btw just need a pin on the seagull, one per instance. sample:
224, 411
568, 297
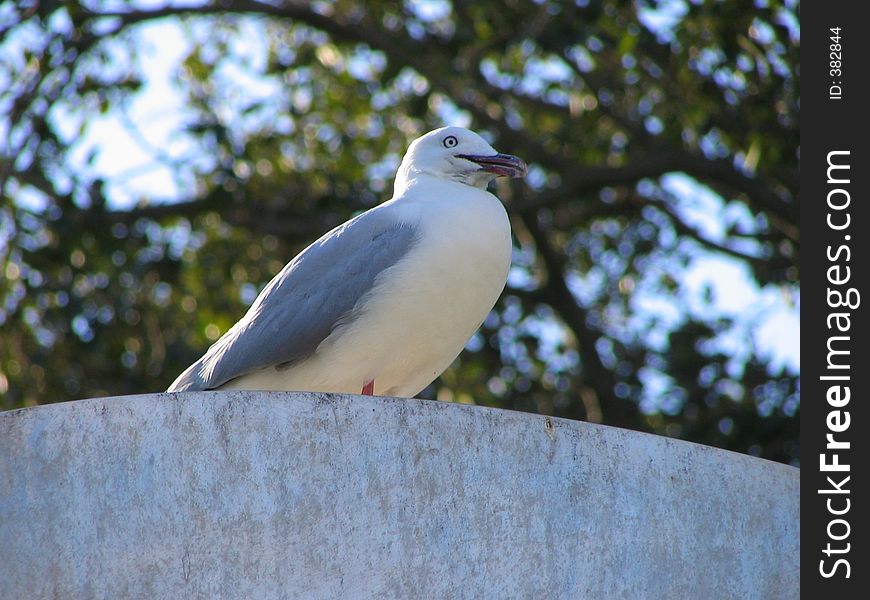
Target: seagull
382, 304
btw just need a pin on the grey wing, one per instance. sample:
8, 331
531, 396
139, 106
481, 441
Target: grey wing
299, 308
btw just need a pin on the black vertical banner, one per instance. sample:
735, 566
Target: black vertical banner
835, 357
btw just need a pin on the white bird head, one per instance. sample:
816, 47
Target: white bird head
455, 153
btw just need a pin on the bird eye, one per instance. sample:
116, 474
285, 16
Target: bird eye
450, 141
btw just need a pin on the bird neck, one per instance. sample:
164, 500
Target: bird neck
404, 176
409, 177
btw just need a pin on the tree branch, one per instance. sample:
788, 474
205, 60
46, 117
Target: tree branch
577, 179
598, 382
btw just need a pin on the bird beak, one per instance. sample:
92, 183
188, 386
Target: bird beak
503, 165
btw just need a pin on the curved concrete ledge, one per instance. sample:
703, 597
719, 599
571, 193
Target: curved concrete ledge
276, 495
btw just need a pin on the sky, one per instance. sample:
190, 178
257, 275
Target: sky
130, 141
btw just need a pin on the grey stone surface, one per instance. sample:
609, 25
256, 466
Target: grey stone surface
278, 495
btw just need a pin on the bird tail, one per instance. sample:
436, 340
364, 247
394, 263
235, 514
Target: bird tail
190, 380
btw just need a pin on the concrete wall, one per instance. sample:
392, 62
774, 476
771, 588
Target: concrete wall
274, 495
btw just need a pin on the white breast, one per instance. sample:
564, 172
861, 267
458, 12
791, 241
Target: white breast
423, 310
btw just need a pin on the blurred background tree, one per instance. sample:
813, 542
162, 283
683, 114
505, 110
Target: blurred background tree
160, 162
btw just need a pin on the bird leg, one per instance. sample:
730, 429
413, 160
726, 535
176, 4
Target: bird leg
369, 388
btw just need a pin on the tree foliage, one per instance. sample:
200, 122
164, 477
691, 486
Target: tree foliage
640, 120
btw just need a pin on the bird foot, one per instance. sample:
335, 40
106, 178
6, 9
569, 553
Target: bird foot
369, 388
